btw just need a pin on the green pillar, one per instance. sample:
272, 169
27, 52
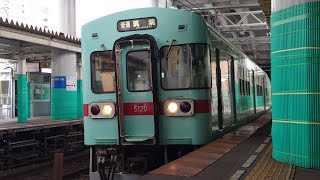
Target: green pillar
63, 102
22, 98
28, 100
64, 88
295, 50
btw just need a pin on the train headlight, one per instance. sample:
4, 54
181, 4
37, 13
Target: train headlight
107, 110
179, 107
102, 110
172, 107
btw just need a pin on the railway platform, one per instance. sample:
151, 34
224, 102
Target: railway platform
24, 144
41, 122
242, 154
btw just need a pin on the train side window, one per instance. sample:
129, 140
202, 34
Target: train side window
244, 82
266, 93
139, 71
248, 88
102, 72
240, 86
185, 67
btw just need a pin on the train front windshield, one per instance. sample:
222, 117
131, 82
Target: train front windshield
185, 67
102, 72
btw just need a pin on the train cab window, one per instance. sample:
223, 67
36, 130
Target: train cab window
102, 72
139, 71
185, 67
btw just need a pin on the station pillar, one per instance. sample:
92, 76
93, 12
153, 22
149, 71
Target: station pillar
161, 3
64, 85
22, 91
295, 63
28, 98
79, 91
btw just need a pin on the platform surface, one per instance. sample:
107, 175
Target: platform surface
247, 160
35, 123
198, 160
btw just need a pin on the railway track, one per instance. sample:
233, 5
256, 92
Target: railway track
73, 166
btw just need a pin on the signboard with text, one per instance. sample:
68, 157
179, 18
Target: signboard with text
137, 24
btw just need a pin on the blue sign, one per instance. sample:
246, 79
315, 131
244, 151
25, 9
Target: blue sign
58, 82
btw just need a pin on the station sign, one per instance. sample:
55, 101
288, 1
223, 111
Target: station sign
137, 24
41, 92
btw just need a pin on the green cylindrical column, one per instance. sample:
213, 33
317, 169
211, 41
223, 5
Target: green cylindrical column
28, 100
63, 104
64, 86
295, 54
22, 98
79, 99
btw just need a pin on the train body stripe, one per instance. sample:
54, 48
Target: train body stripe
138, 108
147, 108
85, 110
202, 106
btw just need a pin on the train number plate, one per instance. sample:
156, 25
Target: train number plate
144, 108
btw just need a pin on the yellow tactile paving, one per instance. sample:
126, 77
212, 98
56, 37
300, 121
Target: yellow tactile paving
270, 169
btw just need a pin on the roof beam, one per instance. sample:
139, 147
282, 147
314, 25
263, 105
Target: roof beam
236, 6
243, 25
34, 57
257, 28
241, 13
185, 2
243, 22
249, 40
23, 36
35, 49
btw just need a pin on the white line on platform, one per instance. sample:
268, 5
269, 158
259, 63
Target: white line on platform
267, 140
249, 161
260, 148
237, 174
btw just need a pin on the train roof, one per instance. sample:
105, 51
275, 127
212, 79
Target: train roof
153, 11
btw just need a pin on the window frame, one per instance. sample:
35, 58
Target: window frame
160, 57
151, 82
91, 74
244, 80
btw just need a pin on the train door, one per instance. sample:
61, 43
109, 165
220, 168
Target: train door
226, 89
135, 93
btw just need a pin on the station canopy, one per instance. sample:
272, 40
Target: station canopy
245, 23
33, 43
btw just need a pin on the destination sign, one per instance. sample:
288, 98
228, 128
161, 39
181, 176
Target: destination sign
137, 24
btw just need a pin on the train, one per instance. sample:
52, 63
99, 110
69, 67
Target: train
162, 77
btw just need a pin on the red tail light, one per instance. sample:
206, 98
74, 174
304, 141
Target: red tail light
95, 109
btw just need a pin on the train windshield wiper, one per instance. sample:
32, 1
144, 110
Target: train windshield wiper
173, 40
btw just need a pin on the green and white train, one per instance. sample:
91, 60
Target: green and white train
157, 77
